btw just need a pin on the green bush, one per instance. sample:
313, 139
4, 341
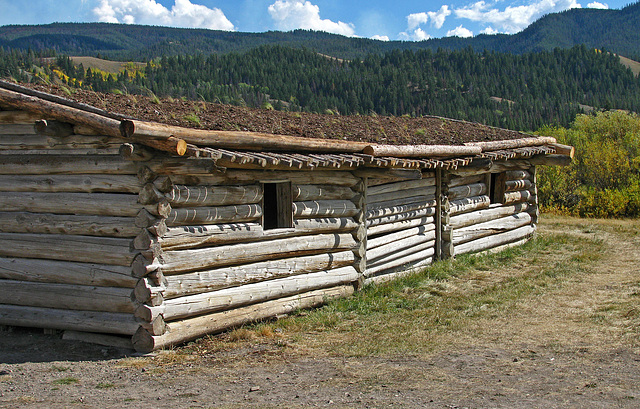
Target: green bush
604, 178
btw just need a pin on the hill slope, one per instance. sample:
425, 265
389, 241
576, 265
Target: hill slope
614, 30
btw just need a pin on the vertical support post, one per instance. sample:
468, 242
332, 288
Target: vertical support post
360, 233
535, 208
446, 244
438, 220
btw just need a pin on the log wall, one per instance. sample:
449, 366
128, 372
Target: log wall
68, 209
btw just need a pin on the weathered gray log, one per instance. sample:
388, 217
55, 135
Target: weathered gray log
24, 222
374, 199
517, 175
59, 145
66, 164
508, 165
495, 240
148, 292
393, 173
551, 160
476, 189
240, 177
64, 272
101, 204
91, 321
426, 181
197, 196
513, 143
136, 152
53, 128
225, 299
85, 249
522, 184
402, 225
214, 215
393, 274
392, 249
189, 329
149, 194
427, 201
49, 152
114, 341
18, 117
428, 211
324, 208
373, 213
517, 197
469, 204
210, 280
71, 183
391, 237
496, 211
422, 151
402, 262
390, 258
66, 296
182, 166
185, 237
302, 193
465, 180
477, 231
16, 129
237, 139
175, 262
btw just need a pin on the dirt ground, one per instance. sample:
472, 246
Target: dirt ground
574, 344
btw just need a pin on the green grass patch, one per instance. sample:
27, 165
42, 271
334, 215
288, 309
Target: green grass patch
69, 380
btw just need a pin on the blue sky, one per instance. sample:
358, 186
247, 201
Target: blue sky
380, 19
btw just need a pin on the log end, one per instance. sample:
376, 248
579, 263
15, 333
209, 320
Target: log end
127, 128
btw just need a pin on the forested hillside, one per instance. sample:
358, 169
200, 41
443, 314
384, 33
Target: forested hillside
520, 92
614, 30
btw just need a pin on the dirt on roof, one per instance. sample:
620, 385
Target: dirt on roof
363, 128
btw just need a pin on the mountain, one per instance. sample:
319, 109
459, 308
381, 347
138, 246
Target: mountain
613, 30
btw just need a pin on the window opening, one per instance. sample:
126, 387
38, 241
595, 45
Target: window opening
497, 187
277, 206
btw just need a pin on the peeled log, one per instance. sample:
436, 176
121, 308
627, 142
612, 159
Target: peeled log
71, 183
374, 213
551, 160
374, 199
512, 143
192, 328
66, 296
389, 238
197, 196
421, 151
404, 185
476, 189
324, 208
198, 259
429, 211
495, 212
394, 247
210, 280
469, 204
496, 240
402, 225
229, 298
249, 177
517, 197
302, 193
66, 164
402, 262
90, 321
24, 222
513, 185
489, 228
214, 215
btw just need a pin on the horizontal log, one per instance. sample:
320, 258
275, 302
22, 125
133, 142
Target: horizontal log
426, 181
393, 173
551, 160
401, 225
234, 297
428, 200
476, 167
508, 165
64, 272
324, 208
18, 117
373, 199
113, 341
513, 143
496, 211
100, 204
496, 240
402, 262
210, 280
186, 216
90, 321
66, 164
59, 145
477, 231
184, 237
393, 248
402, 252
175, 262
476, 189
16, 129
517, 175
377, 212
66, 296
24, 222
389, 275
48, 152
517, 197
197, 196
136, 152
240, 177
422, 151
513, 185
302, 193
468, 204
564, 150
192, 328
399, 235
84, 249
71, 183
415, 214
466, 180
53, 128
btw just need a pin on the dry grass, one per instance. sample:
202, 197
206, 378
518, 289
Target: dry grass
633, 65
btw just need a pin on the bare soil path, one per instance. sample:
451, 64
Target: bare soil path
570, 338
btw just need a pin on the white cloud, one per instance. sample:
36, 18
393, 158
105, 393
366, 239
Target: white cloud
380, 38
460, 32
182, 14
415, 19
438, 17
513, 18
489, 30
292, 14
416, 35
597, 5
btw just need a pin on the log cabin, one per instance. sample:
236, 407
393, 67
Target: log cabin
146, 235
